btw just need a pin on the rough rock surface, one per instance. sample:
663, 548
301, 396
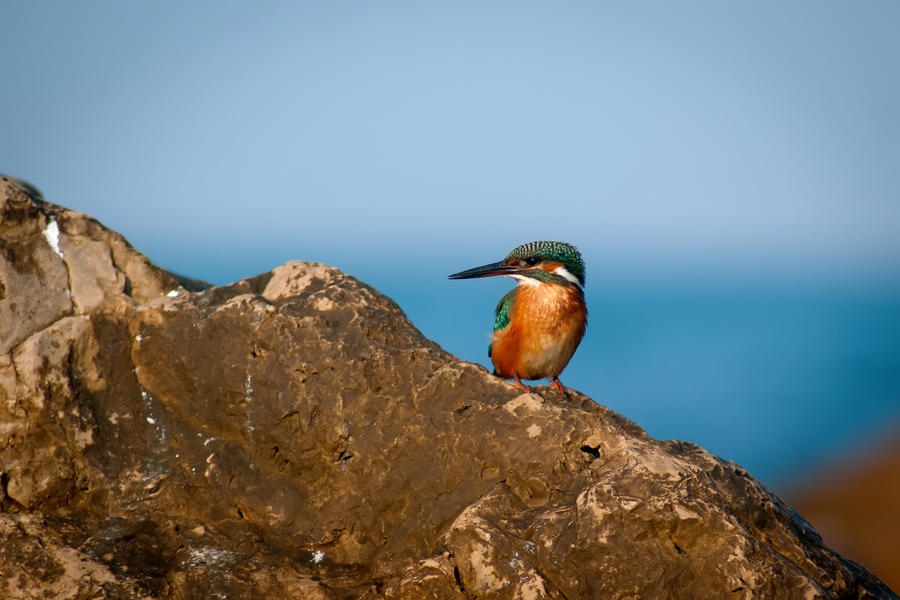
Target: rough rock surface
293, 435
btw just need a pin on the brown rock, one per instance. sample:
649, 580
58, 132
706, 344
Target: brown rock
293, 435
34, 565
33, 278
854, 501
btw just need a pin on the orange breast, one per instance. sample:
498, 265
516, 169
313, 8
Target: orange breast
546, 325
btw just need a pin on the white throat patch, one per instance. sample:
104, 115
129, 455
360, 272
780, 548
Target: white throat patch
525, 280
564, 273
561, 271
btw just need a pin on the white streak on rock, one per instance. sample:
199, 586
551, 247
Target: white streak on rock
51, 233
248, 388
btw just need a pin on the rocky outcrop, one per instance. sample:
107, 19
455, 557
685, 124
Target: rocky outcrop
294, 435
854, 502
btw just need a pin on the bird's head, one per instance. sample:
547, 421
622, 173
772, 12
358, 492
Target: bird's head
536, 263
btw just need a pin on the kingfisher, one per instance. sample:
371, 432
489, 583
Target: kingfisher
539, 323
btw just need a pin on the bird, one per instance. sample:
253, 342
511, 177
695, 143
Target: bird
539, 323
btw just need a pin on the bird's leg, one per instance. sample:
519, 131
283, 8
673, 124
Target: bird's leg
558, 385
518, 383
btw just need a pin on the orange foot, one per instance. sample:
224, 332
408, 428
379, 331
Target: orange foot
525, 388
558, 385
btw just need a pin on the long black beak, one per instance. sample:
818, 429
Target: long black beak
497, 268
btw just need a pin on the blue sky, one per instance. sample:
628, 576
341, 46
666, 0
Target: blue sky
755, 136
745, 143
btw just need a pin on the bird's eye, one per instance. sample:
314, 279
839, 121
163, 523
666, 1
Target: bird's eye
532, 260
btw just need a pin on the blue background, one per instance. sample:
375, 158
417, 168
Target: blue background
730, 171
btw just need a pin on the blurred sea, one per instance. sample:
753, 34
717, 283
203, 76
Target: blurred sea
778, 378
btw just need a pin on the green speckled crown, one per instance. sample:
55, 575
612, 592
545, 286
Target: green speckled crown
565, 253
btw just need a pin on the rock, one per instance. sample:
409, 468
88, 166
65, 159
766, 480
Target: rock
294, 435
854, 502
56, 262
34, 565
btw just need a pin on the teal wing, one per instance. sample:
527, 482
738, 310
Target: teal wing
501, 320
